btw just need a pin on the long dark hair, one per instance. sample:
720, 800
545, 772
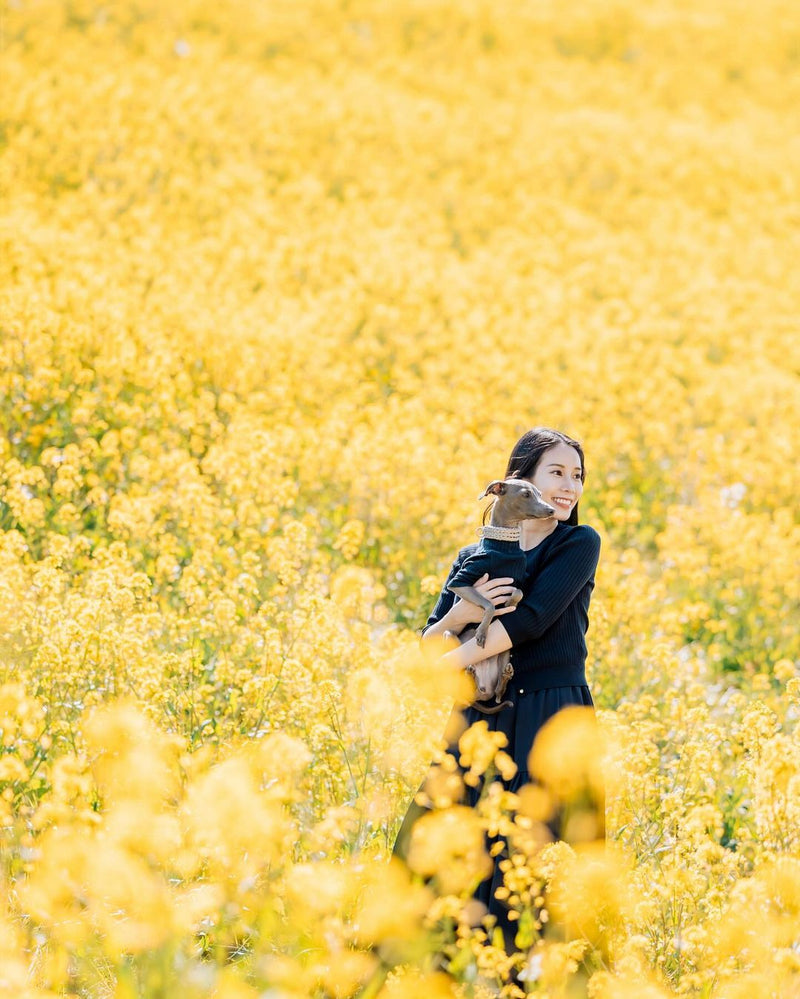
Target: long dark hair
527, 453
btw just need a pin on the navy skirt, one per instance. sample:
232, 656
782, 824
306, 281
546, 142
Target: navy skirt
520, 722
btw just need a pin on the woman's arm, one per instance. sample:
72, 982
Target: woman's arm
462, 613
452, 614
560, 581
470, 652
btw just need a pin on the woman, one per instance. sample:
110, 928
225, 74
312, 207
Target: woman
546, 630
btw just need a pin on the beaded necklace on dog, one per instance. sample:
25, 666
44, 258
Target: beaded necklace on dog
500, 533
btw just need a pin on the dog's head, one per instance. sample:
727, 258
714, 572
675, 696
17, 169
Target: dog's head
521, 500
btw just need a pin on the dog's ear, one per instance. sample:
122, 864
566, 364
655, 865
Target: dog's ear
496, 488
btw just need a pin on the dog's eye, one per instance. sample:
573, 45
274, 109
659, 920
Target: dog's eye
526, 492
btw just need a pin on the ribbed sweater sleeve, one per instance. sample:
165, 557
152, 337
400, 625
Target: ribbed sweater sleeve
446, 597
560, 580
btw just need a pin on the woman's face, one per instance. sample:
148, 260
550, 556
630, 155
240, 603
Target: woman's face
558, 478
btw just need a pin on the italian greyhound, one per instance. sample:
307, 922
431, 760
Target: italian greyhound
498, 554
515, 500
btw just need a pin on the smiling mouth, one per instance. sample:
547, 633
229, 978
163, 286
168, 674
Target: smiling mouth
562, 503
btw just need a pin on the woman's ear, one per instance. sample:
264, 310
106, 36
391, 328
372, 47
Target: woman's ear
497, 488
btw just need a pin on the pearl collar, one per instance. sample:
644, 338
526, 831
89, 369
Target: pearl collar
501, 533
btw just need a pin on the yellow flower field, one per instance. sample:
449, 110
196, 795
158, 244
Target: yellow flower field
282, 282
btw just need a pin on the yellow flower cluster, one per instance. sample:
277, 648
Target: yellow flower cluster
280, 285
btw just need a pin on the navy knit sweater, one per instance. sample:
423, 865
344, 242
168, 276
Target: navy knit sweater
548, 628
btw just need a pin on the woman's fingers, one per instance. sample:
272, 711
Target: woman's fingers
485, 583
497, 590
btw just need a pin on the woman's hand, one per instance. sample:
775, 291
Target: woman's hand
497, 590
464, 613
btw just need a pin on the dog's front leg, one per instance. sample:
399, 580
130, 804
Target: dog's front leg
470, 594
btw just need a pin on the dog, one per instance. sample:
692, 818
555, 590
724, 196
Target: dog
498, 554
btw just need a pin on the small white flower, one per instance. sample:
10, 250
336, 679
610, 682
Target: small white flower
731, 496
532, 970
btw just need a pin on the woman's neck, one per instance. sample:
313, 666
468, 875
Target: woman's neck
534, 531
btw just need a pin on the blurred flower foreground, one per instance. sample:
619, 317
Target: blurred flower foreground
281, 284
